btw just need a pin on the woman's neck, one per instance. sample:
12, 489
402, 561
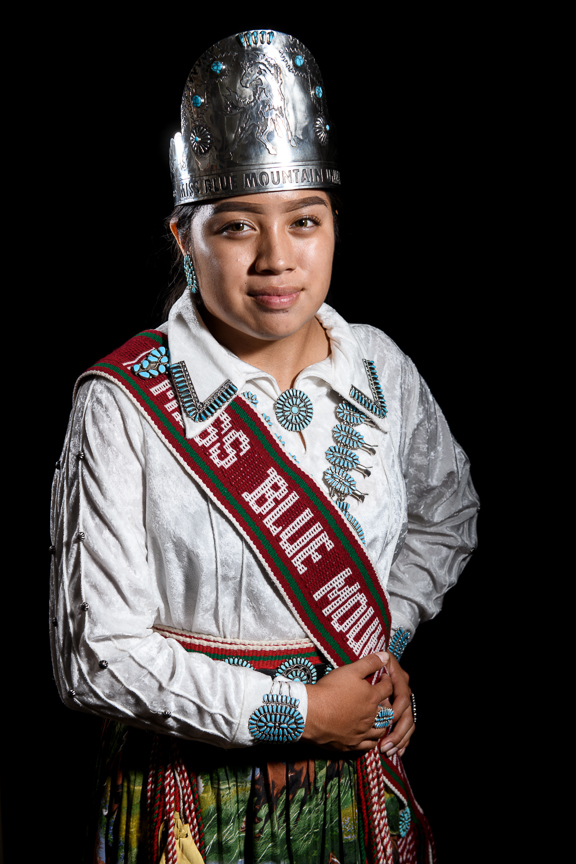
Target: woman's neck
284, 358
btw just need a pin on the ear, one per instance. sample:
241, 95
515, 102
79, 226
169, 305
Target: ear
174, 229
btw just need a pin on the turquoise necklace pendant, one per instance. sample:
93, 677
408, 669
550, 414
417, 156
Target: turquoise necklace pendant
351, 416
342, 484
351, 439
347, 459
342, 457
293, 410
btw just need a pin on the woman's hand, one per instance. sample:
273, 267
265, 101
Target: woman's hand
342, 706
403, 728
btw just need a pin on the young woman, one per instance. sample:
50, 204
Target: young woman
256, 505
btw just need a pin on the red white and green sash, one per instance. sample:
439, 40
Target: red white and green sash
303, 541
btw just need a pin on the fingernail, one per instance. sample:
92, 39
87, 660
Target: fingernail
392, 752
402, 751
387, 746
384, 656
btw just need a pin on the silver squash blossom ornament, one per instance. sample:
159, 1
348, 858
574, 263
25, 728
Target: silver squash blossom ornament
254, 119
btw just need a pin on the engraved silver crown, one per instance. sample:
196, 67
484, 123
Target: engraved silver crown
254, 119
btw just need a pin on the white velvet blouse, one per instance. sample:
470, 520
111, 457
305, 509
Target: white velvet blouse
157, 551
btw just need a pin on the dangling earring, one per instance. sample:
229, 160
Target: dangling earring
191, 279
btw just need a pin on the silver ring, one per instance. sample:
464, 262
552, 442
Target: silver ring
413, 703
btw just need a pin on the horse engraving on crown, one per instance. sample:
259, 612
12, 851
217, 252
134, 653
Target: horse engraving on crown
265, 111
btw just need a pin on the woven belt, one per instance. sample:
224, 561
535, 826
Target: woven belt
265, 657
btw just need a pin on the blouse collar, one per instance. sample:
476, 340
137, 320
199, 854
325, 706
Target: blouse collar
210, 364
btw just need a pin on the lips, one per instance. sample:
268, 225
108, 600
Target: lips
272, 297
274, 291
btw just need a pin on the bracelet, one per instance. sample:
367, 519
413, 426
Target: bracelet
278, 719
413, 705
399, 642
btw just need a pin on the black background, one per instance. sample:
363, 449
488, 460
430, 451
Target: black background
427, 153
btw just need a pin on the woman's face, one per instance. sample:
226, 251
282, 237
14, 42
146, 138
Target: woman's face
263, 261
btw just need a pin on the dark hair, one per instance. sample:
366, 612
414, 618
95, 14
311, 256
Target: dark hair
183, 215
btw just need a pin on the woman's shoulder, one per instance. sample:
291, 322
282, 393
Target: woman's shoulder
101, 406
141, 356
399, 377
380, 348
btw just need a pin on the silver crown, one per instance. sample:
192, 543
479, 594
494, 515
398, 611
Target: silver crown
254, 119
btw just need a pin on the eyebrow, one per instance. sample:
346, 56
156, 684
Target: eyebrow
245, 206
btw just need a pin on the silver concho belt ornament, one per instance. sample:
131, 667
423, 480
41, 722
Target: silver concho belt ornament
254, 119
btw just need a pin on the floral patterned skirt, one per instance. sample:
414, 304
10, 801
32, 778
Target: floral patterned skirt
277, 804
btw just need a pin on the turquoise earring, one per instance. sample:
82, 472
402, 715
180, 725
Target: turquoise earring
191, 279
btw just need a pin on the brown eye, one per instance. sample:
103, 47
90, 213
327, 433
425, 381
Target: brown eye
304, 222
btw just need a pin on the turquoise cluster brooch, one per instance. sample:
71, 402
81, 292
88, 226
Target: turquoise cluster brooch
156, 363
278, 719
293, 410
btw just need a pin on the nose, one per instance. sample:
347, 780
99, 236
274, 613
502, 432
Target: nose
275, 251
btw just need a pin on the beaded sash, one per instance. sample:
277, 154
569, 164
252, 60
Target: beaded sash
301, 538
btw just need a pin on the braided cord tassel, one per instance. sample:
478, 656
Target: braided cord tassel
186, 803
407, 848
161, 793
408, 845
170, 807
192, 803
366, 834
155, 799
171, 789
373, 804
384, 826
